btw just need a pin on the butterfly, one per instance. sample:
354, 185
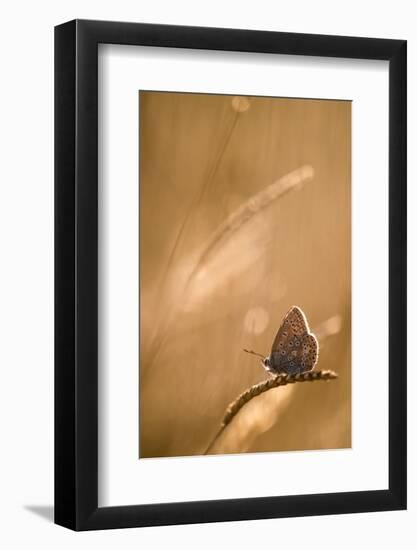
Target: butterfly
295, 350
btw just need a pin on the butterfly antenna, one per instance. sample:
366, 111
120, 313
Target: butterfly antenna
254, 353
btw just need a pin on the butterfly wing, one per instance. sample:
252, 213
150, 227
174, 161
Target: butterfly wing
310, 352
294, 325
294, 349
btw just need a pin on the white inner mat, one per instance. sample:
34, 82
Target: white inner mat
123, 478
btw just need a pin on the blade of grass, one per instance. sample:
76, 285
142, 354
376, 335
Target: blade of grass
260, 389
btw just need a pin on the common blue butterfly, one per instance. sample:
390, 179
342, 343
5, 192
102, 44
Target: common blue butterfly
295, 350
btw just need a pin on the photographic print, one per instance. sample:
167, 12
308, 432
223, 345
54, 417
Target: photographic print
245, 274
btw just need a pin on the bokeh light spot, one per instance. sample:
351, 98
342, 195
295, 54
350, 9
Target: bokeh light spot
256, 320
240, 104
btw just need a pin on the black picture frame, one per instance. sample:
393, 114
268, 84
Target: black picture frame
76, 274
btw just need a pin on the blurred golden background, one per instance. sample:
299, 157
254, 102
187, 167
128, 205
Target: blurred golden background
245, 210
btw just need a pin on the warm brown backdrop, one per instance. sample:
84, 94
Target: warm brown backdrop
201, 158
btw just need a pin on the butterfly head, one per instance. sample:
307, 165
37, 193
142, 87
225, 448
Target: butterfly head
267, 365
266, 362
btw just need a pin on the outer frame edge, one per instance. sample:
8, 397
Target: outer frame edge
76, 467
64, 175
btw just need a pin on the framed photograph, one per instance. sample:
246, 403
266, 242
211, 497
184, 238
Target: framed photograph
230, 253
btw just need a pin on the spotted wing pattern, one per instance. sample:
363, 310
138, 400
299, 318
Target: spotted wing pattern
294, 350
